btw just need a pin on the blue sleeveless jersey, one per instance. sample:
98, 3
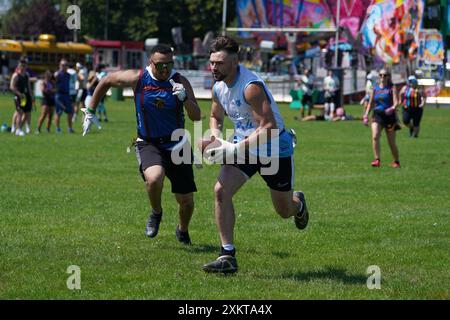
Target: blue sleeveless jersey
383, 98
62, 82
158, 111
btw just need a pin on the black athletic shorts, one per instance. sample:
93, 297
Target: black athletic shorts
28, 106
389, 122
181, 175
48, 101
414, 114
307, 101
282, 180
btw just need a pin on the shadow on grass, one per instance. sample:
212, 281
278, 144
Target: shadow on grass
199, 248
330, 273
281, 255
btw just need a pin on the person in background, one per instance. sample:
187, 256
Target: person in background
385, 101
63, 100
413, 100
23, 97
48, 101
330, 86
307, 86
82, 78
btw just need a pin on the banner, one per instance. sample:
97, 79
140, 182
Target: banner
392, 28
284, 13
431, 47
352, 13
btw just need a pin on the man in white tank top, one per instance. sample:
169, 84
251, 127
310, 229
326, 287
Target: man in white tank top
259, 134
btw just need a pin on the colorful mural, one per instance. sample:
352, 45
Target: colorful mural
299, 13
389, 28
392, 28
352, 13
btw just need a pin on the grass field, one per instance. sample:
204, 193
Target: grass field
72, 200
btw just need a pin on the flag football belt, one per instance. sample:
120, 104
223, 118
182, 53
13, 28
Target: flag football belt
159, 140
282, 131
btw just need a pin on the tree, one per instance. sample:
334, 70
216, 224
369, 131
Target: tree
32, 18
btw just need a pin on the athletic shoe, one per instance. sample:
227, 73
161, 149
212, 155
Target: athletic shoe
294, 137
375, 163
395, 164
20, 133
70, 130
152, 227
58, 130
302, 217
223, 264
183, 236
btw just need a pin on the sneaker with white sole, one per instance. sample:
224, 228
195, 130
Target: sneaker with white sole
225, 263
302, 217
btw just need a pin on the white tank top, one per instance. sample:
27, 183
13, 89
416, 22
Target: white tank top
232, 99
238, 110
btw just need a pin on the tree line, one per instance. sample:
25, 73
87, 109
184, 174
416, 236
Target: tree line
116, 19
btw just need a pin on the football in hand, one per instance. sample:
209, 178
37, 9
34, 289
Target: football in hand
205, 144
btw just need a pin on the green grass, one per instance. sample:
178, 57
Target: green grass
72, 200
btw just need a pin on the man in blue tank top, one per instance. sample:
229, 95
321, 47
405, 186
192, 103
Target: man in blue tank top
63, 101
161, 95
246, 100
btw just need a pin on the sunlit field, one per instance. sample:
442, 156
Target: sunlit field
70, 200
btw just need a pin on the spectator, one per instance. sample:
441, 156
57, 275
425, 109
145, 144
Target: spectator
48, 101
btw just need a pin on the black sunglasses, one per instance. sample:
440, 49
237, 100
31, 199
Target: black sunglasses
161, 65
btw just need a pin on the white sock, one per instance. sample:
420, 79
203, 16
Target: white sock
228, 247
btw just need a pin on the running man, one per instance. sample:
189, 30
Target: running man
160, 93
244, 97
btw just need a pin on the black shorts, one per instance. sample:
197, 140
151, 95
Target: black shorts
330, 98
28, 106
181, 175
389, 122
48, 101
307, 101
282, 180
414, 114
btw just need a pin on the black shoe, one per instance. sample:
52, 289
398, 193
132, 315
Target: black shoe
223, 264
151, 230
183, 236
302, 217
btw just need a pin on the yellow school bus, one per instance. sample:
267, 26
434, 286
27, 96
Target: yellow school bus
45, 53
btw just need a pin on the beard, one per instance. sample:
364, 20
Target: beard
218, 76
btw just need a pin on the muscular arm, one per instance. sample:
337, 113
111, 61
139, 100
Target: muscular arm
262, 112
191, 106
121, 79
13, 85
216, 118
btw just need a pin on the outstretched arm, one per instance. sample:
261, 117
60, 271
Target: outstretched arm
121, 79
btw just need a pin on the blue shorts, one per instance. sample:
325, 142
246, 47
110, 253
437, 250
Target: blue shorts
63, 102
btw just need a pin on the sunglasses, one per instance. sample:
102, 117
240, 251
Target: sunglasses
383, 75
161, 65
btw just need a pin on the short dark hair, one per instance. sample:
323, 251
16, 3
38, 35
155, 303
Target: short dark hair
161, 48
224, 43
